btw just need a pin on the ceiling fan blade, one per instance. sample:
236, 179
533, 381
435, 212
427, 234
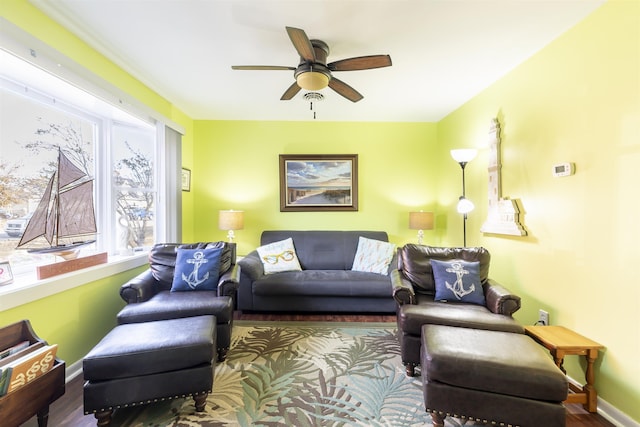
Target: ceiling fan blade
290, 92
360, 63
345, 90
302, 43
261, 67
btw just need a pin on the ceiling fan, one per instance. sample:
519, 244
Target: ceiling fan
313, 73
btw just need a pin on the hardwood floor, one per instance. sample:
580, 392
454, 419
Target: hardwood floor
68, 411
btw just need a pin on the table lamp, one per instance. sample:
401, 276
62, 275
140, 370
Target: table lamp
420, 221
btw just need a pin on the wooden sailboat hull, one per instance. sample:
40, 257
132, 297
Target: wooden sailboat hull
60, 248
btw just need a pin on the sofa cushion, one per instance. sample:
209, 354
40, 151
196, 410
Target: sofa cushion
414, 261
323, 283
373, 256
172, 305
196, 269
458, 281
427, 311
279, 256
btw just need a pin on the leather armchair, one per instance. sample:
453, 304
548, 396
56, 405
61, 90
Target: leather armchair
149, 297
414, 289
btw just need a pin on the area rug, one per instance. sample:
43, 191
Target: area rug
301, 374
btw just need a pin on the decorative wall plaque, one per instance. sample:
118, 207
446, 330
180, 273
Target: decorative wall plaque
503, 216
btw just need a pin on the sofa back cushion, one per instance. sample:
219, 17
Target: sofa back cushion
162, 259
414, 263
323, 250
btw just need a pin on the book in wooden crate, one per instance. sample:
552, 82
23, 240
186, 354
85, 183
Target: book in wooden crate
13, 349
27, 368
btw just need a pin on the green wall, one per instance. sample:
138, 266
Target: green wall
578, 100
75, 319
236, 166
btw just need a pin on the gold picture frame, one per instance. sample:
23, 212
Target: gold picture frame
318, 182
186, 179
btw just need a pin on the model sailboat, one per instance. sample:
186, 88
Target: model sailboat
65, 217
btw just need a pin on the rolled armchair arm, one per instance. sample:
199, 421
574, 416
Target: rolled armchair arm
402, 289
139, 289
499, 299
229, 282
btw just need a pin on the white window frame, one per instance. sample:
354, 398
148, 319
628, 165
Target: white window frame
26, 288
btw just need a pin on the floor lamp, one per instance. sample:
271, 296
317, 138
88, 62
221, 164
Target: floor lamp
464, 156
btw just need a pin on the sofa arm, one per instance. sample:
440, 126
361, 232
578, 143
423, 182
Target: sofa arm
229, 281
251, 266
499, 299
402, 289
139, 289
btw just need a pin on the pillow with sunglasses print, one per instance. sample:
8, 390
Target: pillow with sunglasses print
279, 256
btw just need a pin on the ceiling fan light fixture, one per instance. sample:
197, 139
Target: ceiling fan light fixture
312, 80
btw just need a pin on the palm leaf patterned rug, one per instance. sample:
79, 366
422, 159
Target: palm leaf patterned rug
301, 374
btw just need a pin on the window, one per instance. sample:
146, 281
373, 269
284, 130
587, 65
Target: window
40, 115
134, 186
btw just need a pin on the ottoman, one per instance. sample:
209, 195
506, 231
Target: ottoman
140, 363
173, 305
501, 378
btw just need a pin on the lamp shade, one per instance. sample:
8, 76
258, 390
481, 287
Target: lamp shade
464, 155
421, 220
231, 220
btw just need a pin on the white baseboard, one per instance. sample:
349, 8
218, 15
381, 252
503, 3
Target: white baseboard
610, 412
72, 371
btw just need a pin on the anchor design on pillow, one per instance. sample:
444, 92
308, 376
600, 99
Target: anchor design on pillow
192, 279
458, 286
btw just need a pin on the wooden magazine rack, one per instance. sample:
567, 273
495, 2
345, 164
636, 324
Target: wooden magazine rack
35, 396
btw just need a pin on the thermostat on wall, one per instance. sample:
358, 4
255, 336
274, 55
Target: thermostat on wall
564, 169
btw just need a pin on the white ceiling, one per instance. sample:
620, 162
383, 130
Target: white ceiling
443, 51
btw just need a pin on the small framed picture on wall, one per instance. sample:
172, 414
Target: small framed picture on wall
186, 179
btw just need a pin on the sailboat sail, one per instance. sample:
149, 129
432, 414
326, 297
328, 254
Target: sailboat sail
65, 212
37, 225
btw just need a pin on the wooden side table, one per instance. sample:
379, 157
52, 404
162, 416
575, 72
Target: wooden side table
561, 342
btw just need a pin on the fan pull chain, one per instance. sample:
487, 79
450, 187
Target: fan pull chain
311, 97
311, 108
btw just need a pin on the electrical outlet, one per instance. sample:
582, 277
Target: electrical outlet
543, 317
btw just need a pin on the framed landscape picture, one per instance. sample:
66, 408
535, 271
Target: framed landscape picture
318, 182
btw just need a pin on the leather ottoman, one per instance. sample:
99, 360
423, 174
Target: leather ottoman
140, 363
494, 377
172, 305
